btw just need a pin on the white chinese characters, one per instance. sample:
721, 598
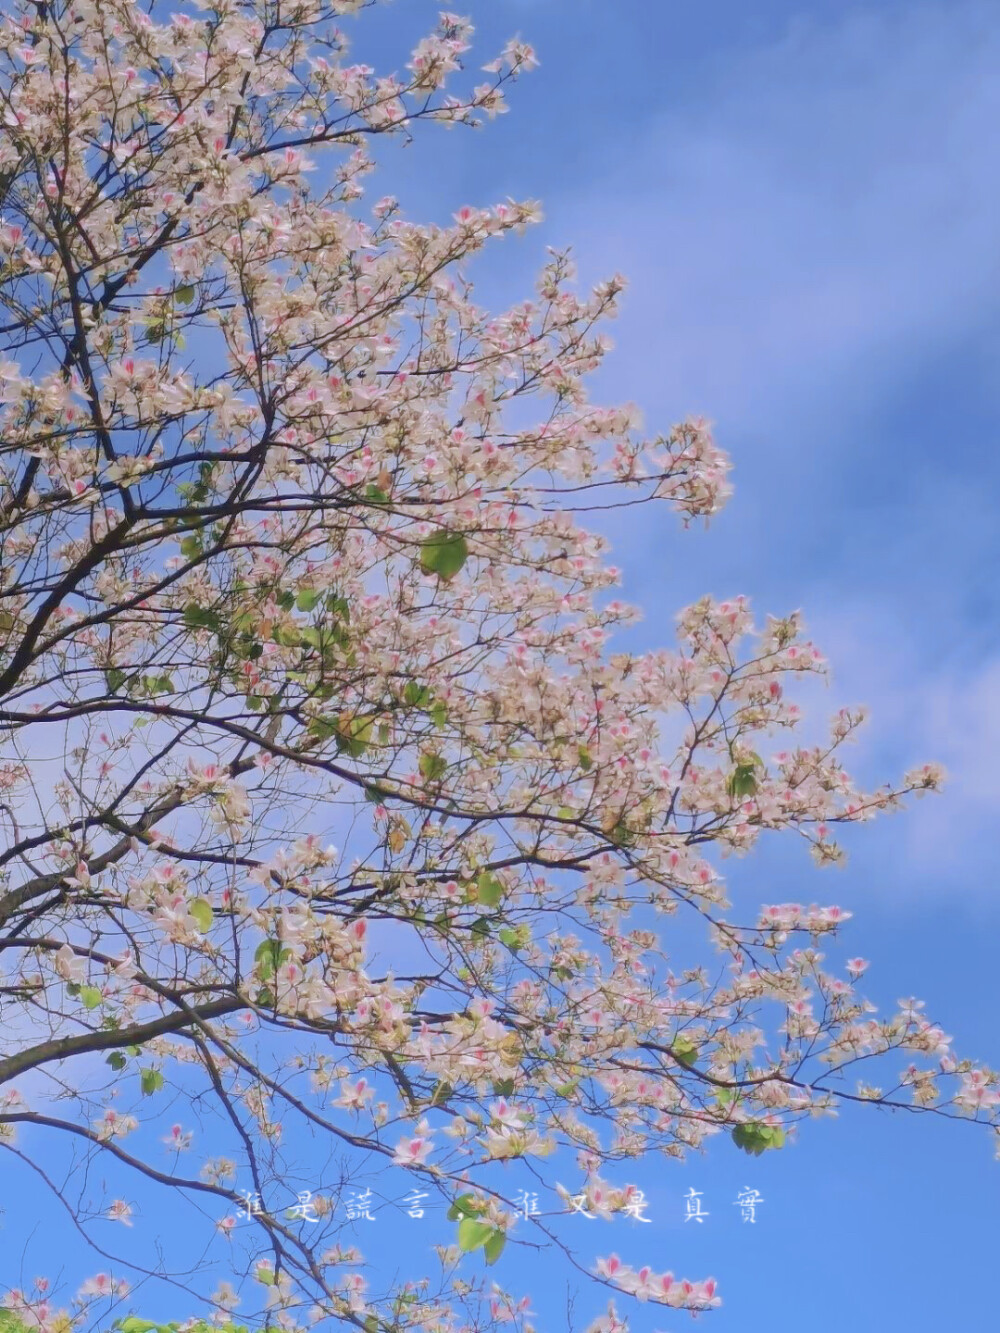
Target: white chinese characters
747, 1202
358, 1205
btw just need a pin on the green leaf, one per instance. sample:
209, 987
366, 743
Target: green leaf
621, 835
494, 1246
748, 1137
472, 1234
307, 599
466, 1205
742, 781
151, 1080
755, 1138
201, 910
135, 1325
489, 889
439, 713
269, 957
512, 939
184, 294
376, 496
443, 553
583, 754
432, 766
481, 927
504, 1087
441, 1093
191, 547
200, 617
354, 735
116, 1060
115, 679
90, 996
416, 695
323, 727
684, 1051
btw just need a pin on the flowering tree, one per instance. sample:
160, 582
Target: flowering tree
330, 817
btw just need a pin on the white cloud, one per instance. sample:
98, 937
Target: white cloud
826, 209
802, 241
949, 712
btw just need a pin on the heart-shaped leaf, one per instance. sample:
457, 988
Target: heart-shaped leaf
201, 910
472, 1234
489, 890
494, 1246
443, 553
151, 1081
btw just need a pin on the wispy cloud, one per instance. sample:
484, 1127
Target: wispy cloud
808, 241
825, 212
947, 711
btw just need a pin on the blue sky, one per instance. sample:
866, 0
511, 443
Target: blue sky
804, 198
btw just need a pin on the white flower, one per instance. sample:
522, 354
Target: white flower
225, 1295
412, 1151
114, 1125
70, 966
103, 1284
120, 1211
178, 1139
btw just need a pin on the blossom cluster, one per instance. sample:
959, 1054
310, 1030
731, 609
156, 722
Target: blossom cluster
366, 831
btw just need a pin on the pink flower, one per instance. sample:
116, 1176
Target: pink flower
412, 1152
103, 1284
358, 929
612, 1266
178, 1139
120, 1211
